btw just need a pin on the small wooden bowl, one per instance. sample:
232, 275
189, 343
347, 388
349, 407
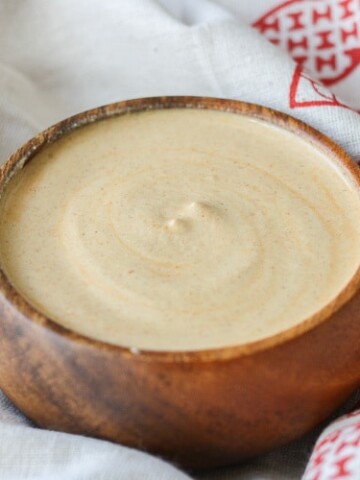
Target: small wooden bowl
203, 408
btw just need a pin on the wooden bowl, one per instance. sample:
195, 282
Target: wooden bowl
203, 408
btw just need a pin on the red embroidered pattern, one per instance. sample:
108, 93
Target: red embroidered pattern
337, 454
322, 36
319, 95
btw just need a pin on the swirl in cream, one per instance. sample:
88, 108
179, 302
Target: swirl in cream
180, 230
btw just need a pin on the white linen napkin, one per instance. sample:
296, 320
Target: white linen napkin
60, 57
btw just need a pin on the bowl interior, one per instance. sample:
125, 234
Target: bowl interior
315, 138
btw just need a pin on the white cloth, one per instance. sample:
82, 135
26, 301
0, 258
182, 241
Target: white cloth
63, 56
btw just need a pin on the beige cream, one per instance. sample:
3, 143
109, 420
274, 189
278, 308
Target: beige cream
180, 230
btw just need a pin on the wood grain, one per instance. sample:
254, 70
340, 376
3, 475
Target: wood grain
201, 409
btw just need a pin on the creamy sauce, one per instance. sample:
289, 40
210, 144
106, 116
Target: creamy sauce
179, 230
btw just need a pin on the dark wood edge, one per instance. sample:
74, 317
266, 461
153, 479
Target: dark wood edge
10, 295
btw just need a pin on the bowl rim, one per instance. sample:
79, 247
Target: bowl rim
318, 140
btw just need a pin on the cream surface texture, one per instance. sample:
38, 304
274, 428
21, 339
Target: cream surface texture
179, 230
